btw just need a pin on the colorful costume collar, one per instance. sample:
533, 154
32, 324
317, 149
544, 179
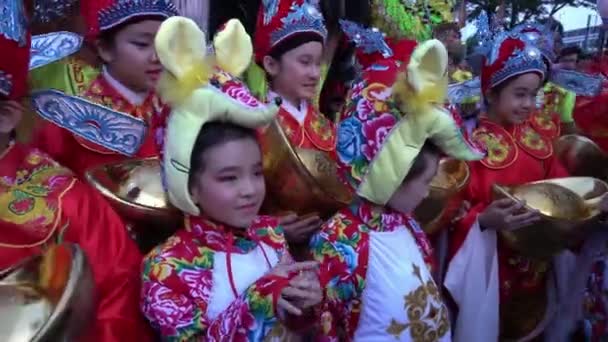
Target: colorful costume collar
222, 238
131, 96
503, 144
381, 219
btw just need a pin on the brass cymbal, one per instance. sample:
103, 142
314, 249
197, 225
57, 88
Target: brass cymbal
134, 188
568, 209
48, 297
301, 180
441, 205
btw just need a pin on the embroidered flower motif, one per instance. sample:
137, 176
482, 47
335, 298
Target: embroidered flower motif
350, 139
161, 271
349, 255
378, 94
357, 89
170, 310
375, 132
364, 108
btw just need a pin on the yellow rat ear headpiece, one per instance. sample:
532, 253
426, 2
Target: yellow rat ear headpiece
200, 89
392, 111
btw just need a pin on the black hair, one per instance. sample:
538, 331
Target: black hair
293, 42
570, 50
441, 30
212, 134
420, 163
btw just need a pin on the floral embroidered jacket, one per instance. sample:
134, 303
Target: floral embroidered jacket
79, 154
210, 283
42, 203
375, 269
516, 155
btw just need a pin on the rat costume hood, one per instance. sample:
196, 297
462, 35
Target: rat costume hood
392, 110
201, 88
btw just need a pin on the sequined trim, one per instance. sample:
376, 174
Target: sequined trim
301, 18
123, 10
115, 131
51, 47
13, 24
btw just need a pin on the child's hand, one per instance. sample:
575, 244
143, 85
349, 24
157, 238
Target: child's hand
299, 229
10, 115
304, 292
283, 269
462, 211
507, 214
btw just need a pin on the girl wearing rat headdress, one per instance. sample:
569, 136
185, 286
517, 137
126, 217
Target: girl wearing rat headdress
374, 258
226, 275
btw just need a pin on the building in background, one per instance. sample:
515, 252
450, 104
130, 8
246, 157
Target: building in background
585, 38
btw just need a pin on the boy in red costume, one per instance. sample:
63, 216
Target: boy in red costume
42, 203
123, 32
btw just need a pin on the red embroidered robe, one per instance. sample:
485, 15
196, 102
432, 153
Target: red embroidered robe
42, 204
516, 155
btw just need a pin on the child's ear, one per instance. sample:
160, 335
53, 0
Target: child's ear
233, 49
180, 45
271, 66
104, 50
428, 66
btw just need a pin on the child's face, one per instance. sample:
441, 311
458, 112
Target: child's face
298, 72
230, 189
131, 57
412, 191
517, 100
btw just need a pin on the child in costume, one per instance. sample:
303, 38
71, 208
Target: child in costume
123, 33
42, 203
289, 42
501, 294
373, 254
226, 276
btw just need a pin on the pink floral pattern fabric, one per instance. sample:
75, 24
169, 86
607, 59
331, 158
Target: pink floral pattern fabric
342, 250
178, 282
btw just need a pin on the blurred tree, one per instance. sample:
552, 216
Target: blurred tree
517, 11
